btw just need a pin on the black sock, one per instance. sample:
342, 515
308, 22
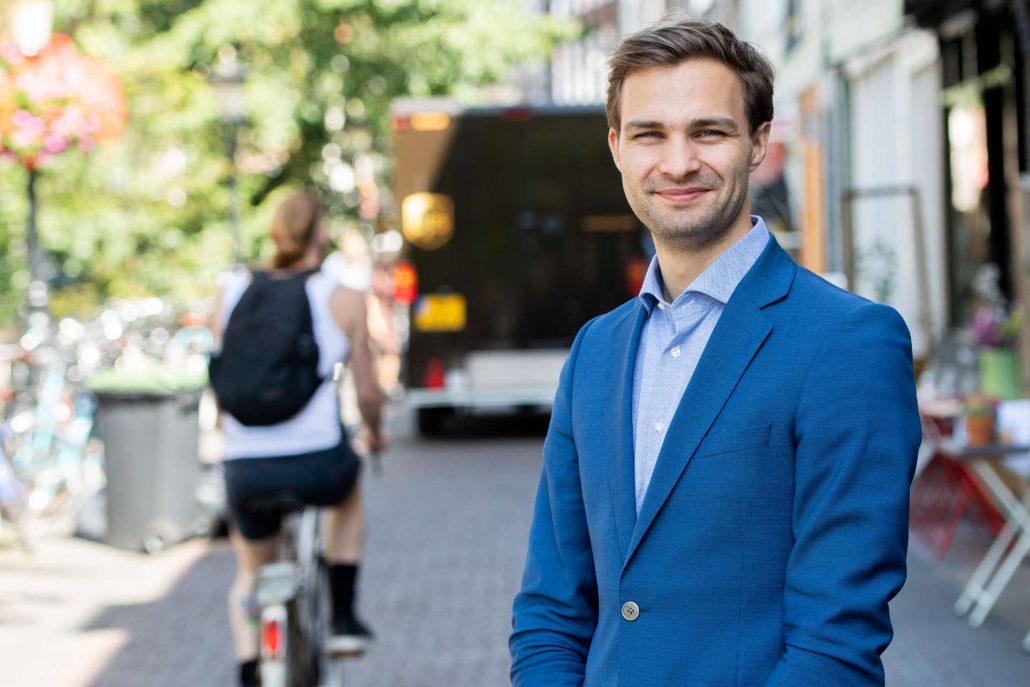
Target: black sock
342, 579
249, 676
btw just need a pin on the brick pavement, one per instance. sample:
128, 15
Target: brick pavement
79, 613
447, 539
449, 526
934, 647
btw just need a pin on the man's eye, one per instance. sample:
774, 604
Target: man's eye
648, 134
710, 133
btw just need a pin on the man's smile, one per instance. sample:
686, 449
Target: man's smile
682, 195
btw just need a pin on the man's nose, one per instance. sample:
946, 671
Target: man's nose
679, 159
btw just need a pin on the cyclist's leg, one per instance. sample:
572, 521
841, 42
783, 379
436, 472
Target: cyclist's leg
330, 480
253, 533
345, 543
345, 529
250, 555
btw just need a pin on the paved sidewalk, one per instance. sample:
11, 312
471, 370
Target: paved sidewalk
447, 539
78, 613
933, 647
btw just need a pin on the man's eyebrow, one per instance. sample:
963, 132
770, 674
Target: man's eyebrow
644, 124
701, 123
720, 122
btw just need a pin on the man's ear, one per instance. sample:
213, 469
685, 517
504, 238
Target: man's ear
760, 144
613, 145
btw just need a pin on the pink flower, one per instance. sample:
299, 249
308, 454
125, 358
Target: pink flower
28, 129
10, 53
25, 138
23, 119
69, 101
70, 123
986, 325
42, 85
54, 144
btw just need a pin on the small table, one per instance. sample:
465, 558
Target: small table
996, 568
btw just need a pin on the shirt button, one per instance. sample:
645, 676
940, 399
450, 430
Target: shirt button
630, 611
675, 352
659, 426
661, 306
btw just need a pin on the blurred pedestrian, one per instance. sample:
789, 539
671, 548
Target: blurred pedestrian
724, 495
382, 329
350, 264
306, 456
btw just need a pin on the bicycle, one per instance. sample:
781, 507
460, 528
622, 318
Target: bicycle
49, 464
51, 450
14, 495
292, 606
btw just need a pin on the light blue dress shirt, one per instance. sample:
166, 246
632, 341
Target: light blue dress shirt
672, 341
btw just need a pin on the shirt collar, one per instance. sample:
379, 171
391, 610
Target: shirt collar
719, 279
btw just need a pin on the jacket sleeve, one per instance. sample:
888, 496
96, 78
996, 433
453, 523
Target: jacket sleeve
857, 432
555, 612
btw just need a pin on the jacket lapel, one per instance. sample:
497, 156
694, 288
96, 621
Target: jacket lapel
618, 425
741, 330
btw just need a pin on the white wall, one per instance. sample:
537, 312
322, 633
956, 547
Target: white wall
926, 136
636, 14
896, 141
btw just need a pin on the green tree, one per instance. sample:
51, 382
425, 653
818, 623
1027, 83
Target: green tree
149, 216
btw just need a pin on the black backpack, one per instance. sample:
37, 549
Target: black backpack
267, 370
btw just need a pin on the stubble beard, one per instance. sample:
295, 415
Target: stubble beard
684, 230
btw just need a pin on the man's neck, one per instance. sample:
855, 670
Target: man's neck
681, 266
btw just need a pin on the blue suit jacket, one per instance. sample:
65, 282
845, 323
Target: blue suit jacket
774, 529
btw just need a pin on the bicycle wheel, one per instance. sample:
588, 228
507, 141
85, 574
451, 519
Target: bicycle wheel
321, 620
302, 670
310, 607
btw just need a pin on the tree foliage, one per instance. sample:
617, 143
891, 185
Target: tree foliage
149, 215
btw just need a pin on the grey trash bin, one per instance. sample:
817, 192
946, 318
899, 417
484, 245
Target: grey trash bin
150, 458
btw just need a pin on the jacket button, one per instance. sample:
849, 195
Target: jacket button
630, 611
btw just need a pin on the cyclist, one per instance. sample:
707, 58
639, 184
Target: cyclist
307, 457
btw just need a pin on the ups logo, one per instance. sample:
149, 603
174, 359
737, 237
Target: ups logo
427, 219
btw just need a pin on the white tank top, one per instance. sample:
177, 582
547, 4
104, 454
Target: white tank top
317, 426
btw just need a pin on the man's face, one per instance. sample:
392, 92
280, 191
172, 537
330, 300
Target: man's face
685, 150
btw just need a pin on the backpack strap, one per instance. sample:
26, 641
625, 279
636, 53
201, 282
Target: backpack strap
298, 282
267, 275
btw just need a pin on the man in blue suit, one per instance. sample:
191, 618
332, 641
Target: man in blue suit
724, 496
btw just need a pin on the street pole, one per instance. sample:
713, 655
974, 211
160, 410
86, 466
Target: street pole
228, 78
30, 24
234, 197
37, 293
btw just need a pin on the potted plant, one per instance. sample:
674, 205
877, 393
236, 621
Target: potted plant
980, 413
996, 327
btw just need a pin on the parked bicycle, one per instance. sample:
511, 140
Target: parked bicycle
13, 494
52, 462
51, 466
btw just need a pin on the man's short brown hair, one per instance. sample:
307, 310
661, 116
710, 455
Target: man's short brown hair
679, 38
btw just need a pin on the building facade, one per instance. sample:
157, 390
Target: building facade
899, 153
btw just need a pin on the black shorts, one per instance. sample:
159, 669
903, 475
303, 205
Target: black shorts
257, 487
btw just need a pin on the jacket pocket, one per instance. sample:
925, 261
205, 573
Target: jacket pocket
732, 440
